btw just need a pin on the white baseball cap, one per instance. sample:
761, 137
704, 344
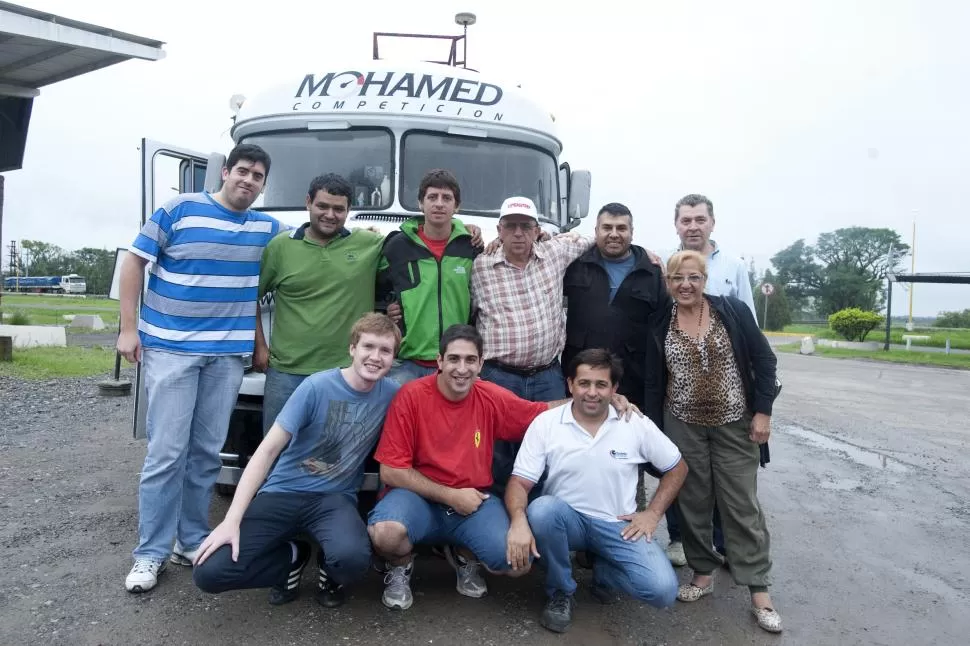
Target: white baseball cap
519, 206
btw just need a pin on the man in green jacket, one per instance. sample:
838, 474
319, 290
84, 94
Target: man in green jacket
425, 275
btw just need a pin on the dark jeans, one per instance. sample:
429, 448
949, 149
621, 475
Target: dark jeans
673, 528
265, 555
547, 385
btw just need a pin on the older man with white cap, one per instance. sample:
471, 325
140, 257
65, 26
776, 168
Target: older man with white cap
517, 305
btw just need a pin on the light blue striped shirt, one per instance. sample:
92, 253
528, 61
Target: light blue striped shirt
204, 276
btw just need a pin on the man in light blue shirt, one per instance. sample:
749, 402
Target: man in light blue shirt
726, 274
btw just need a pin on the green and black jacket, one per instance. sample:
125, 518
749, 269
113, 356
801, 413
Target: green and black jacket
433, 295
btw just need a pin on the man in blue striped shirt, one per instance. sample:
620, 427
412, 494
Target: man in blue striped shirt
197, 323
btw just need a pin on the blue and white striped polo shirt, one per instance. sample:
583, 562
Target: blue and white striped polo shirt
204, 276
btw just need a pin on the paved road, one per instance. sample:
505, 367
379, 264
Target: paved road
866, 498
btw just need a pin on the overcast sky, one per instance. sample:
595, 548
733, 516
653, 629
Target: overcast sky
795, 118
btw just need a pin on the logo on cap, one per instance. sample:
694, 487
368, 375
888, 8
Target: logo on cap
519, 205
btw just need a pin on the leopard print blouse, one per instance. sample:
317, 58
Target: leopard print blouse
704, 385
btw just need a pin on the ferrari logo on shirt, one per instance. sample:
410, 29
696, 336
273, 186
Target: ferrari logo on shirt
478, 438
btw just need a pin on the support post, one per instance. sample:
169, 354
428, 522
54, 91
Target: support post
889, 310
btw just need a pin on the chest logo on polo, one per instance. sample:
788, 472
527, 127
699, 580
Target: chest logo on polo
478, 438
351, 256
460, 270
618, 455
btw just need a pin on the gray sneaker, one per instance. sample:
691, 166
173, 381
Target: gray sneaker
470, 582
397, 587
675, 552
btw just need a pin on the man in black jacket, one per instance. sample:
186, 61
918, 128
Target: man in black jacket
613, 292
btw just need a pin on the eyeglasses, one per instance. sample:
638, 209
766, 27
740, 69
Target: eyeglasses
693, 279
525, 226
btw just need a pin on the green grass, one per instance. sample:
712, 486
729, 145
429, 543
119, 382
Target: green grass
23, 300
52, 363
50, 310
893, 356
959, 339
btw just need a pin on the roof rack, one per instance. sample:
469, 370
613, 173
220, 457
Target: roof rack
464, 19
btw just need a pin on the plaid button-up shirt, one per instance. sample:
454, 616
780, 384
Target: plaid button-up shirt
520, 311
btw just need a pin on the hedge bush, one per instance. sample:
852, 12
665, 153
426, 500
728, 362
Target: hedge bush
854, 324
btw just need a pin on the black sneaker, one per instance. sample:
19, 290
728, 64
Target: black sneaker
329, 593
604, 594
290, 589
558, 613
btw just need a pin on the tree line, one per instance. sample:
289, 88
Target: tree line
845, 268
37, 258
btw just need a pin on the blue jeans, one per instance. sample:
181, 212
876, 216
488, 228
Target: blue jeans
190, 399
276, 390
484, 532
638, 568
274, 519
405, 370
544, 386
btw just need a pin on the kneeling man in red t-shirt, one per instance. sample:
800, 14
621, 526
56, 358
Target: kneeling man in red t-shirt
436, 458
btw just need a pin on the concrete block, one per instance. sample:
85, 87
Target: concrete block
32, 336
88, 322
808, 346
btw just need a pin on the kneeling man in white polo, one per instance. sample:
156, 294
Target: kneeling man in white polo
589, 500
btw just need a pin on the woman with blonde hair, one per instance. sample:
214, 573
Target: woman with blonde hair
717, 388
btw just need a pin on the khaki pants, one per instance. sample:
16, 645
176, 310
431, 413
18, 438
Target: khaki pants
723, 463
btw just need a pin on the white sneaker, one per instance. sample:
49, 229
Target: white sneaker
181, 556
470, 581
144, 575
675, 552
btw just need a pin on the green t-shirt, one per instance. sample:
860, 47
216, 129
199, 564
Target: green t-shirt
319, 292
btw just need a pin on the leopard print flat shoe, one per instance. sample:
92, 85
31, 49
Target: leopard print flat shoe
688, 593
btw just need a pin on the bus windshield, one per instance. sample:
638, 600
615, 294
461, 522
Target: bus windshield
488, 172
362, 156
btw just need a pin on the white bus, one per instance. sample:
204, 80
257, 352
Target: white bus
381, 125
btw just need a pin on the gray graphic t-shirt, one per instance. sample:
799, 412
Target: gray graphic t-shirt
334, 428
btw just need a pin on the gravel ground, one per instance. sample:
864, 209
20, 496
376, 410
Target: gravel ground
65, 505
865, 496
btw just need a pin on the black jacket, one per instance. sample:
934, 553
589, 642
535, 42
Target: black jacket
754, 356
622, 326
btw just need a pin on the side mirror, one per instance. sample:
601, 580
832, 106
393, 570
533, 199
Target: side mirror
577, 208
213, 172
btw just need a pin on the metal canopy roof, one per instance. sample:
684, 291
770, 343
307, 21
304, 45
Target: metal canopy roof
957, 278
38, 48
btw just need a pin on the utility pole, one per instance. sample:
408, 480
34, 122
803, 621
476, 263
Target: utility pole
15, 263
912, 270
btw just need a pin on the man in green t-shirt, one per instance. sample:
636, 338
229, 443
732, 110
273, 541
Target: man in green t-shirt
322, 277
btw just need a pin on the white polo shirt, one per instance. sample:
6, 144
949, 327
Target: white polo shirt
596, 476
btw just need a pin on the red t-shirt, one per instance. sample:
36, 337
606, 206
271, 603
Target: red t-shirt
436, 247
450, 442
